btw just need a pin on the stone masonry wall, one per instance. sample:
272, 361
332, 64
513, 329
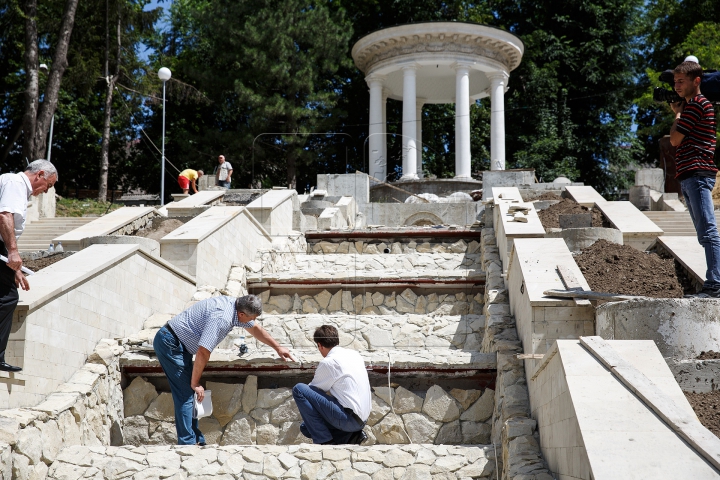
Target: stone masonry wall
512, 426
374, 303
246, 415
137, 224
305, 462
372, 247
87, 410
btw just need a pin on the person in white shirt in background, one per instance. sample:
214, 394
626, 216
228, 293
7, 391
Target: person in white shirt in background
15, 191
223, 172
336, 405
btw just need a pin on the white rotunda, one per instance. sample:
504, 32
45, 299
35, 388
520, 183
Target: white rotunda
437, 62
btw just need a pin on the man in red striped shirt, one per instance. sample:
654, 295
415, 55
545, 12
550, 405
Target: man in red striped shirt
693, 133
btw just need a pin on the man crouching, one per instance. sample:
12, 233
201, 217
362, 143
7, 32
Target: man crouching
336, 404
197, 331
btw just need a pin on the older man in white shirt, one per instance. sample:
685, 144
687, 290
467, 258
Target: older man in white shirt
15, 191
336, 405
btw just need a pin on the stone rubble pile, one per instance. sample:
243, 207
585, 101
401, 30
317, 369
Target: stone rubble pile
374, 303
373, 247
512, 426
305, 462
246, 415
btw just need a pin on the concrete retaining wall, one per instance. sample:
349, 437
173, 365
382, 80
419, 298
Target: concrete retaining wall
208, 245
396, 214
274, 211
104, 291
123, 221
680, 327
579, 238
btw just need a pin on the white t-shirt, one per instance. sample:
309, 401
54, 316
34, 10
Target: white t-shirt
343, 374
223, 171
15, 191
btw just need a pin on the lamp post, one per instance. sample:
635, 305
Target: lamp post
164, 73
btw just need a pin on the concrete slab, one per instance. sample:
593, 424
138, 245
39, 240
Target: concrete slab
637, 229
585, 195
689, 253
194, 204
537, 260
592, 426
104, 225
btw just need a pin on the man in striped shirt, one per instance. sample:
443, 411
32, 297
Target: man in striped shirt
197, 331
693, 133
337, 403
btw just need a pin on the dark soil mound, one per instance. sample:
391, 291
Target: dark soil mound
707, 409
549, 196
613, 268
40, 263
160, 227
549, 216
709, 355
686, 282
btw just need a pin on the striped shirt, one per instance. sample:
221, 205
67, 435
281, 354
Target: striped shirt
342, 373
206, 323
694, 155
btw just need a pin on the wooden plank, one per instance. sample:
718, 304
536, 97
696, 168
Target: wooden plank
589, 295
530, 356
702, 440
568, 278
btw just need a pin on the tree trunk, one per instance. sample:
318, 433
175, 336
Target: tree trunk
105, 154
31, 75
291, 170
50, 99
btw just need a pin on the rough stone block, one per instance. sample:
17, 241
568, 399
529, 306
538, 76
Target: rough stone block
138, 396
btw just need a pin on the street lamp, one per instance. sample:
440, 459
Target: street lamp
164, 73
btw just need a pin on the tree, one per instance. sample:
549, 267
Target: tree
36, 119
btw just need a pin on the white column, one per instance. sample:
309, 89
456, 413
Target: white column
418, 136
384, 124
377, 163
498, 80
409, 128
462, 120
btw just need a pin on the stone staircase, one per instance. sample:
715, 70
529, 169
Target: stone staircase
448, 402
39, 234
676, 223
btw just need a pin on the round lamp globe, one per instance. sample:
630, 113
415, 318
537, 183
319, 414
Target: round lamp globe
164, 74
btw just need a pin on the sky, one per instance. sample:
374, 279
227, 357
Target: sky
145, 52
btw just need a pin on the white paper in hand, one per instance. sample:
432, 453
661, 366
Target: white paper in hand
203, 409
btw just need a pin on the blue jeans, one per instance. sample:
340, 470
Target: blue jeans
177, 364
222, 183
698, 197
324, 419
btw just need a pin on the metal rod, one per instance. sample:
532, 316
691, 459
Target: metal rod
162, 175
49, 149
26, 271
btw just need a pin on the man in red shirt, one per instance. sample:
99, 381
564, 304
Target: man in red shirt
693, 133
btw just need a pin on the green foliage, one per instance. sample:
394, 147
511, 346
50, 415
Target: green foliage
72, 207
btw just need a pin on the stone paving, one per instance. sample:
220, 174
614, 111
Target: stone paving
306, 462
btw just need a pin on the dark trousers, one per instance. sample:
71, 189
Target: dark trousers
8, 301
324, 419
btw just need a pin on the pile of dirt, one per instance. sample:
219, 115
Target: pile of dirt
40, 263
612, 268
549, 216
687, 283
707, 409
160, 227
709, 355
549, 196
